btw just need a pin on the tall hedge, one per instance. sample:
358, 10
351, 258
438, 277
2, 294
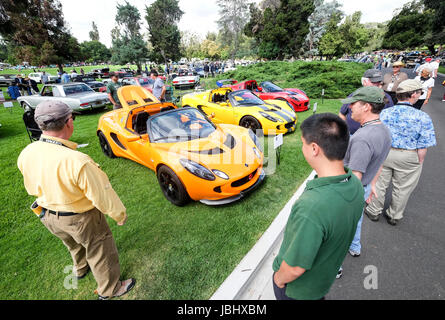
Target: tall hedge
338, 79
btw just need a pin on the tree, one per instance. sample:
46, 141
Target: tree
94, 51
233, 17
436, 35
377, 32
128, 46
162, 17
330, 44
281, 31
354, 34
191, 44
94, 34
409, 27
318, 21
28, 24
350, 37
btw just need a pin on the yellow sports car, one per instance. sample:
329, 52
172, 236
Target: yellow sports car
193, 158
244, 108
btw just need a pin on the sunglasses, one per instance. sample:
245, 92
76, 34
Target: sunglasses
73, 116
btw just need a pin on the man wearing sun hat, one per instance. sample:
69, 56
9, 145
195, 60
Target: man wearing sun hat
73, 194
391, 80
412, 133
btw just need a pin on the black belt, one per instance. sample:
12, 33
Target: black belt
61, 214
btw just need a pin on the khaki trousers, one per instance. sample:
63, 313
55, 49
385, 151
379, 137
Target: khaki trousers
90, 242
404, 169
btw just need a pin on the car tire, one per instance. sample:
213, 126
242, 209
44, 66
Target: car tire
250, 122
172, 188
105, 146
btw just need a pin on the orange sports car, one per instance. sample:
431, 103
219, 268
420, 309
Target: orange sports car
192, 157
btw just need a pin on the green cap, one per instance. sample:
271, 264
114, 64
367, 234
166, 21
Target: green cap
366, 94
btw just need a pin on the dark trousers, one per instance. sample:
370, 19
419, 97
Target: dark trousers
419, 104
280, 293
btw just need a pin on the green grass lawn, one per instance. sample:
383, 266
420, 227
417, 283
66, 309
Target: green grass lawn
442, 69
174, 253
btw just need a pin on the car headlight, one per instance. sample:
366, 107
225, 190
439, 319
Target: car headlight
197, 169
220, 174
257, 153
268, 117
295, 98
255, 140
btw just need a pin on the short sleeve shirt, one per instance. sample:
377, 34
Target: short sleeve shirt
157, 88
426, 85
112, 88
411, 129
367, 150
318, 234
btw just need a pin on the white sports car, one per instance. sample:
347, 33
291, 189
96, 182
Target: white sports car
186, 81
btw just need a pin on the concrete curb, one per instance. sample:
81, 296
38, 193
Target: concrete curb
238, 281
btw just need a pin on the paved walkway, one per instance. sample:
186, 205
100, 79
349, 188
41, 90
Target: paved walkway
409, 258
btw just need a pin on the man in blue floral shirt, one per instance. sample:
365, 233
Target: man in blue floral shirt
412, 133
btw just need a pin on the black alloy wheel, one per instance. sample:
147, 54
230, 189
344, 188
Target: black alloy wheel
250, 122
106, 148
172, 187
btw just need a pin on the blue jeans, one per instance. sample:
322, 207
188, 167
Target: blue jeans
356, 245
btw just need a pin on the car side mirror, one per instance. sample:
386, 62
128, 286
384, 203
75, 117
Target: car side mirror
259, 89
134, 138
224, 104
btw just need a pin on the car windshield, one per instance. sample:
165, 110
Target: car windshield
75, 89
270, 87
180, 125
244, 98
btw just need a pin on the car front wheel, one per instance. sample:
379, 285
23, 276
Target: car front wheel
172, 187
250, 122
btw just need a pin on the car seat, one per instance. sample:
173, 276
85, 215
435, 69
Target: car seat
32, 128
140, 122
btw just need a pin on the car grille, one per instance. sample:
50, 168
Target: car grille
289, 125
244, 180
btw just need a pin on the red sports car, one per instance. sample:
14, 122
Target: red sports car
296, 98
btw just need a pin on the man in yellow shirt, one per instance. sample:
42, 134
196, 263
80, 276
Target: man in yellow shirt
74, 194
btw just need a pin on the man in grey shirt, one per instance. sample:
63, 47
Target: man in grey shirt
158, 86
369, 146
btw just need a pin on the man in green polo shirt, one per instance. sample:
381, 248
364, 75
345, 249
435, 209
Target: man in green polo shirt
112, 88
323, 221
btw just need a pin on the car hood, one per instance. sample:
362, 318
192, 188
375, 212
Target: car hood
272, 109
227, 150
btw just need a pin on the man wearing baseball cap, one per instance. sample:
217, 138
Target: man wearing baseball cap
368, 147
391, 80
412, 133
73, 194
371, 78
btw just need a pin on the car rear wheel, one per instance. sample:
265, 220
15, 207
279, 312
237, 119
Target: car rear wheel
106, 148
172, 187
250, 122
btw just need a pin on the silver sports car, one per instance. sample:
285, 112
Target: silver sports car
78, 96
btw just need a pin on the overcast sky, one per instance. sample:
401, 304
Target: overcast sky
200, 16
